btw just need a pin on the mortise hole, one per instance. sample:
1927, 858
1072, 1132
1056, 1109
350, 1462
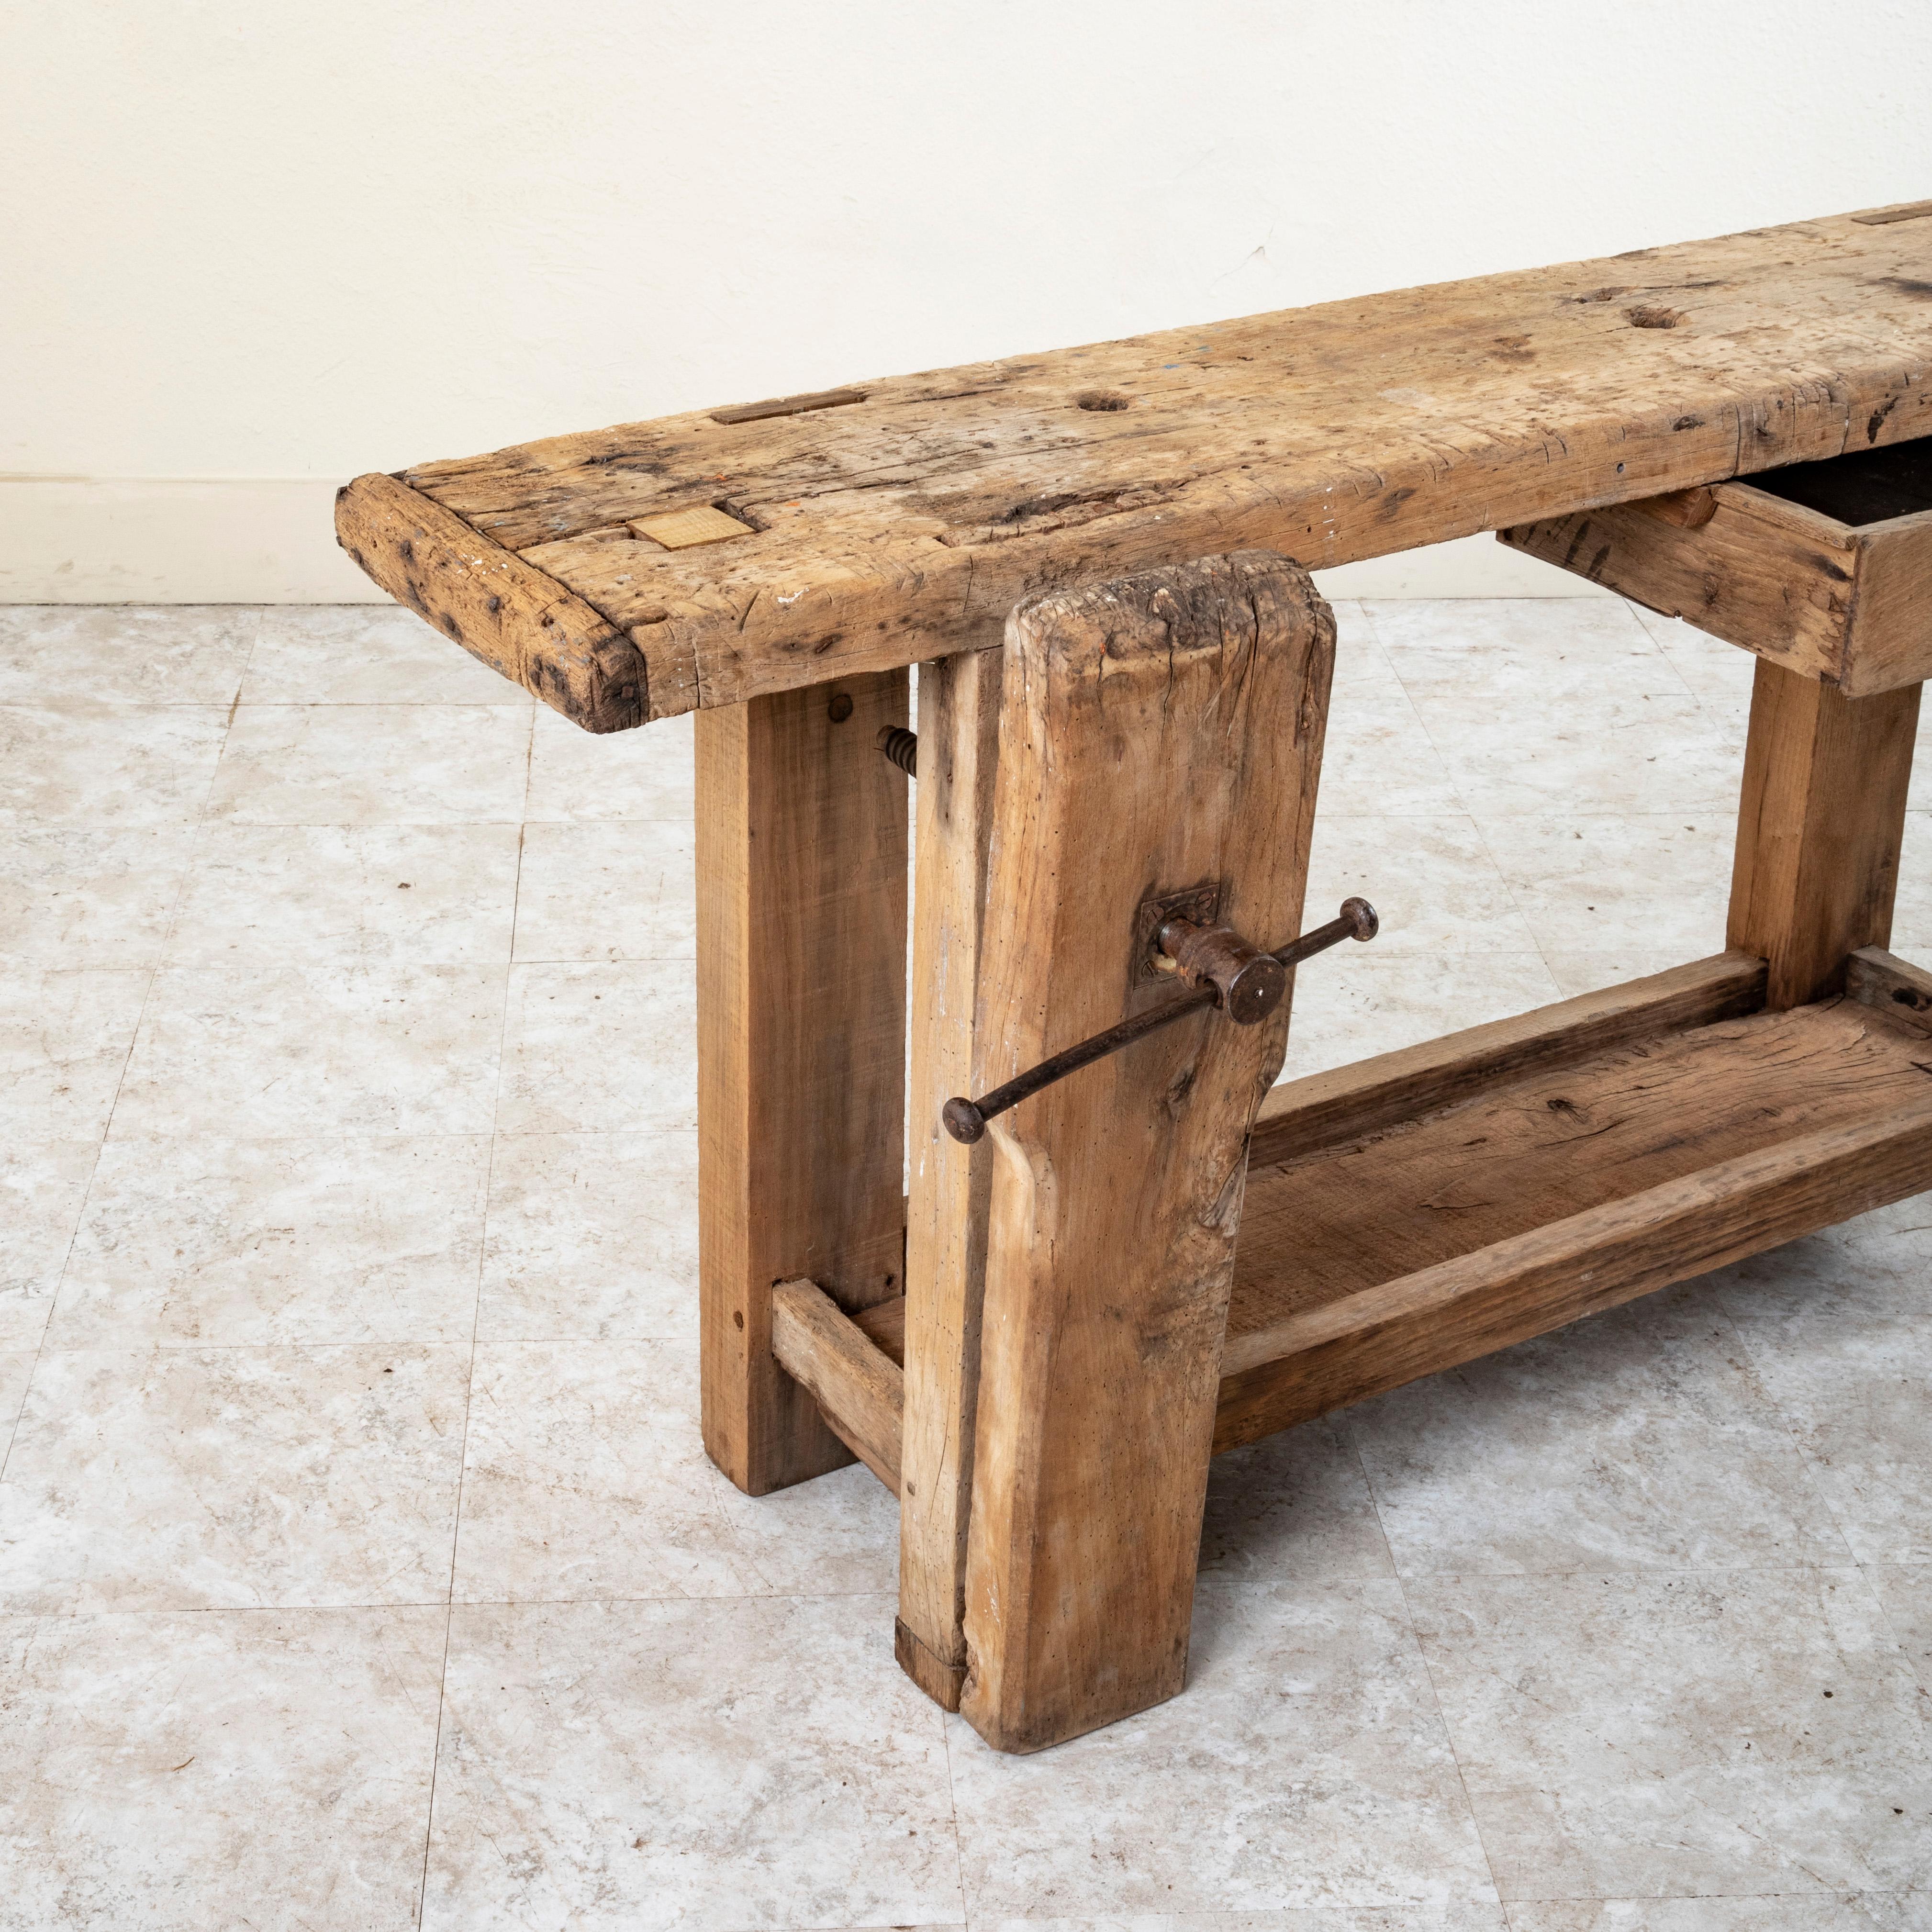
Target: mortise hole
1644, 316
1106, 400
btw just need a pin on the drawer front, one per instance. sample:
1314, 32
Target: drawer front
1852, 605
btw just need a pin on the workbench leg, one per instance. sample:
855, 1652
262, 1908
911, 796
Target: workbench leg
1819, 828
1161, 733
801, 1044
946, 1212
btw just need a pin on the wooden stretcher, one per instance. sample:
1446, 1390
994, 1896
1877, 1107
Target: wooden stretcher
1098, 557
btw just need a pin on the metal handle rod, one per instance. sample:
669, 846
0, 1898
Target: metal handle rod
966, 1120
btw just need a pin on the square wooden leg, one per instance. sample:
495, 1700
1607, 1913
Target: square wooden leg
801, 1031
1160, 733
1820, 826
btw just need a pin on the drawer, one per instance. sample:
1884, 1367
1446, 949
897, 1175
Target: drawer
1825, 567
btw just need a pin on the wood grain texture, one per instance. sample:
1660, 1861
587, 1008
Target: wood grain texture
1890, 626
801, 1032
906, 524
1820, 826
945, 1215
1553, 1198
1759, 572
1159, 732
1302, 1115
860, 1391
1894, 987
1853, 605
498, 607
1530, 1151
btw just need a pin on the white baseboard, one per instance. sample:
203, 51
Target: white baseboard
133, 541
272, 540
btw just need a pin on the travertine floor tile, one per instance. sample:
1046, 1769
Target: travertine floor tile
1905, 1912
108, 769
1359, 658
42, 1185
366, 654
300, 895
246, 1768
607, 890
63, 1042
1432, 881
1305, 1765
1912, 910
1636, 882
253, 1242
1575, 973
1636, 1440
1905, 1589
1310, 1919
586, 1477
1718, 673
1348, 1004
1295, 1505
81, 655
16, 1369
374, 764
220, 1478
346, 1049
71, 896
629, 1767
592, 1237
1630, 1736
1377, 758
576, 774
1522, 651
1582, 753
1844, 1346
610, 1048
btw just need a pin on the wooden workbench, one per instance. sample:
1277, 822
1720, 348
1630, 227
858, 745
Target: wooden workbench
1039, 1348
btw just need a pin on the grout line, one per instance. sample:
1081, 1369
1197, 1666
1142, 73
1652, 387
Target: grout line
476, 1325
952, 1805
529, 1603
1345, 1423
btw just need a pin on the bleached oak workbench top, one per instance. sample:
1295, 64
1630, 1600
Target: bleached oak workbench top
902, 519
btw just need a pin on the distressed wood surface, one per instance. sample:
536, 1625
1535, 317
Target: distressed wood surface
1894, 987
946, 1211
1759, 572
801, 1036
1555, 1197
1302, 1115
499, 606
1533, 1150
859, 1389
1890, 624
1816, 595
1157, 734
1820, 823
903, 518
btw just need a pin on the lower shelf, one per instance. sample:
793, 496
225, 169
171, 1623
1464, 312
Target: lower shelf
1538, 1198
1546, 1167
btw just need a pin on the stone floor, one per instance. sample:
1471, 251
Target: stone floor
359, 1564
